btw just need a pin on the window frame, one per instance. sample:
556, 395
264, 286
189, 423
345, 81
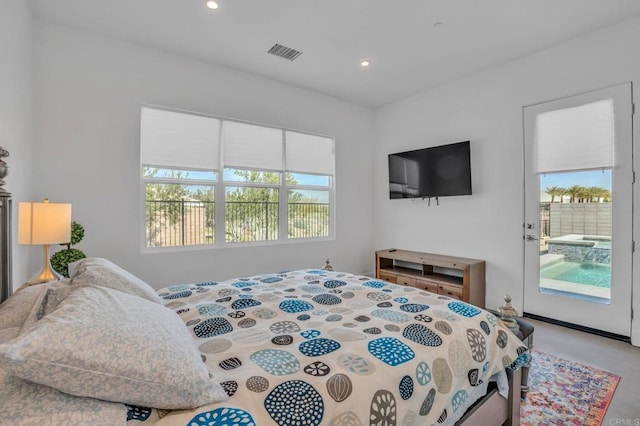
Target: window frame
220, 188
145, 180
331, 203
235, 184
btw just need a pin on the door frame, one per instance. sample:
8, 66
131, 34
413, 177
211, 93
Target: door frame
580, 312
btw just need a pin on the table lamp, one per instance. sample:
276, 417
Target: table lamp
43, 224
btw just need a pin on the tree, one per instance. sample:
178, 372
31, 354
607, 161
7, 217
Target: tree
599, 193
580, 194
165, 206
163, 198
207, 196
555, 191
165, 191
252, 211
251, 208
574, 193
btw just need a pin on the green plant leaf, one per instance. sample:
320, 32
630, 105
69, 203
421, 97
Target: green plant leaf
77, 234
60, 260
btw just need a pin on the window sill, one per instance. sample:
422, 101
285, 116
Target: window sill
202, 247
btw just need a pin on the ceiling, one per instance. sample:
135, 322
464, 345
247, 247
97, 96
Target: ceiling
408, 54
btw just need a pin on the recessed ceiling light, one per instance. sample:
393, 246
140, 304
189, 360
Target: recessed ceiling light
212, 4
364, 64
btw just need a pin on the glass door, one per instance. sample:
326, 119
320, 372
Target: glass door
578, 209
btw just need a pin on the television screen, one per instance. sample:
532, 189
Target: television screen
431, 172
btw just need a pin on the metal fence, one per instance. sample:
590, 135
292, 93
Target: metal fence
189, 222
545, 219
179, 223
308, 220
251, 221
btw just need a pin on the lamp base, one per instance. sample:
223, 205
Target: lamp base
47, 274
44, 277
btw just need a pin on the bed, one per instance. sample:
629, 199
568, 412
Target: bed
304, 347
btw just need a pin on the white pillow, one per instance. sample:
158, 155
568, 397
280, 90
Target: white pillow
99, 271
106, 344
50, 297
15, 310
26, 403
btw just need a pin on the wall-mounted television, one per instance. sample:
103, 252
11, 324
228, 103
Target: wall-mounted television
438, 171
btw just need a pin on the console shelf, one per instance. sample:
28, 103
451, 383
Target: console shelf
455, 277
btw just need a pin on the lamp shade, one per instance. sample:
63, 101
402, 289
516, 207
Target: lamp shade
44, 223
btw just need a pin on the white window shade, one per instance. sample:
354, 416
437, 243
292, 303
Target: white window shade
309, 154
179, 141
575, 138
250, 146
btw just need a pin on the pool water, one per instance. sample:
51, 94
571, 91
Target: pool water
594, 274
600, 243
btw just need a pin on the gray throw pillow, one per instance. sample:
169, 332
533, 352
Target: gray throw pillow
106, 344
102, 272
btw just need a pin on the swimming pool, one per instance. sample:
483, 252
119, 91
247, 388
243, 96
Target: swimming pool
582, 248
600, 242
593, 274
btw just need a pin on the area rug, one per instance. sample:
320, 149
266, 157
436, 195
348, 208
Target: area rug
566, 393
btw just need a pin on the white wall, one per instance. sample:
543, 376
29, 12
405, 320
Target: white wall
16, 59
89, 91
487, 109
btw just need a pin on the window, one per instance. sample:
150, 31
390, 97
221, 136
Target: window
270, 185
179, 207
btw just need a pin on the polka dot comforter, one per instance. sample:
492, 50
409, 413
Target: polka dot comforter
313, 347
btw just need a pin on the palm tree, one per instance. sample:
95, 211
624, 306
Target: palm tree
574, 192
594, 192
555, 191
563, 192
584, 195
603, 193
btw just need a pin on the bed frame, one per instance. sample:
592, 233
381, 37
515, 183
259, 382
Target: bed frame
493, 409
5, 231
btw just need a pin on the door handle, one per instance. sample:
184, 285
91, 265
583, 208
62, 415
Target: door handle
530, 237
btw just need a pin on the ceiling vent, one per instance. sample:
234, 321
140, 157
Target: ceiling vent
284, 52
